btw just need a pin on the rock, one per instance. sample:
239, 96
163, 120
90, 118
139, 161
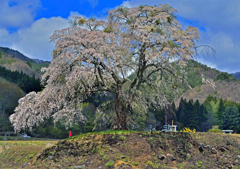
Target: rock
50, 157
163, 158
78, 167
214, 151
25, 164
207, 146
222, 149
200, 147
235, 162
171, 157
179, 149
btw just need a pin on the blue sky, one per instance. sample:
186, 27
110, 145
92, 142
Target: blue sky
26, 25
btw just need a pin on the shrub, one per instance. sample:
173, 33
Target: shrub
106, 158
188, 130
199, 89
109, 164
135, 163
215, 131
101, 153
122, 138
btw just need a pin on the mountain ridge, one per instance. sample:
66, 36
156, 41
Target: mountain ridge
20, 56
237, 75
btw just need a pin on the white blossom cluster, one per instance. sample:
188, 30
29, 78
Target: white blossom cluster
96, 56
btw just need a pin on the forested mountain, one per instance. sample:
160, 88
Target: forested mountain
19, 75
16, 61
226, 85
19, 55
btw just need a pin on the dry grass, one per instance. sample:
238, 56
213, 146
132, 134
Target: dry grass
14, 154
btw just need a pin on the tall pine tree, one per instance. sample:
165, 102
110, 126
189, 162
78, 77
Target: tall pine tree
181, 112
221, 109
230, 118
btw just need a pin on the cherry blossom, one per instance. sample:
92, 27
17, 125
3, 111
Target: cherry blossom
97, 56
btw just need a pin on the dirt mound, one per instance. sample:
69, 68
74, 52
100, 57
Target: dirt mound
144, 150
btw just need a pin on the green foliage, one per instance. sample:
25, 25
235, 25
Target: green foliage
37, 66
29, 64
191, 114
9, 96
25, 82
215, 108
6, 60
224, 76
193, 80
230, 118
215, 131
122, 138
10, 61
109, 164
135, 163
106, 157
109, 29
199, 164
101, 153
199, 89
2, 61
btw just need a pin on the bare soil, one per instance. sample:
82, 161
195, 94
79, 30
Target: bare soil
143, 150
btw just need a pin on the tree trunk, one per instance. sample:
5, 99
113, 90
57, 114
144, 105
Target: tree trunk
121, 115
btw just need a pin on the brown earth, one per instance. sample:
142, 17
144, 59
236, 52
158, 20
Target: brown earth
142, 150
224, 89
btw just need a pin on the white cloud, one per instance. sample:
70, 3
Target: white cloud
33, 41
20, 15
126, 4
93, 3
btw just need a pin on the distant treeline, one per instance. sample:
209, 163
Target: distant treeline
25, 82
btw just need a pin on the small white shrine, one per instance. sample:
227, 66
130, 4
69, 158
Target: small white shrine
168, 127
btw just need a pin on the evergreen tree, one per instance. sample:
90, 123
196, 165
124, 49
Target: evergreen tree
230, 118
221, 109
181, 111
189, 117
173, 109
197, 111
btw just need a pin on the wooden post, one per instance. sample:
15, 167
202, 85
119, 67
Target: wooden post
172, 122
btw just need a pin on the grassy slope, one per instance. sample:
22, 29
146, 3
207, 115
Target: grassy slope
119, 149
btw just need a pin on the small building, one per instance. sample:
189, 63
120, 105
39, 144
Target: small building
168, 127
